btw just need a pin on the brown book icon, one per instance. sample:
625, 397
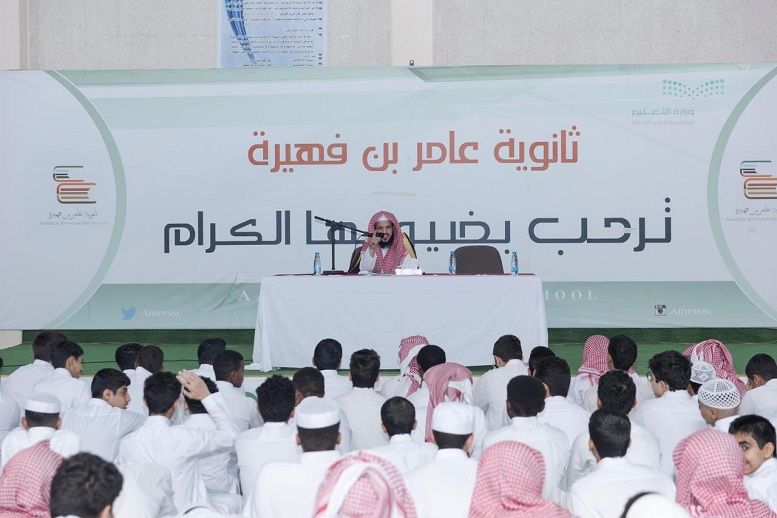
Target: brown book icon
71, 190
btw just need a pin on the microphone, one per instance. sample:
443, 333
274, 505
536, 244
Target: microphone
376, 234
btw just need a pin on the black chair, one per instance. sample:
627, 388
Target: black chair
476, 259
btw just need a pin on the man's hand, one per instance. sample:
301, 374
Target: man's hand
193, 386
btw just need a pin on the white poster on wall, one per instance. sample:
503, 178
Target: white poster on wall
642, 196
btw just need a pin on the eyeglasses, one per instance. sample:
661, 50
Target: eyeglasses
649, 376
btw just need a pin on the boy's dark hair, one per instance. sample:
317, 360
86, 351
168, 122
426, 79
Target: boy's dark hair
41, 419
151, 358
365, 368
617, 391
672, 368
64, 350
83, 485
757, 427
161, 391
127, 355
309, 381
195, 405
623, 351
318, 439
209, 349
226, 363
537, 354
110, 379
275, 398
508, 347
446, 441
554, 372
610, 432
526, 396
429, 356
763, 365
328, 354
43, 343
398, 416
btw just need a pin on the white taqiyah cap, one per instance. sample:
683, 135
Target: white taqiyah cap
455, 418
43, 403
315, 412
702, 372
720, 394
653, 504
382, 217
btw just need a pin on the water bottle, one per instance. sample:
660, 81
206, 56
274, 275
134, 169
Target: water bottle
514, 264
317, 264
452, 263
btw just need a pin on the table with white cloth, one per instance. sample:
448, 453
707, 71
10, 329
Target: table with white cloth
463, 314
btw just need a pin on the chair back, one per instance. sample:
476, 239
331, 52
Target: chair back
475, 259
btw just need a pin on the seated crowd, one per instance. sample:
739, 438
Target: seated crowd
524, 439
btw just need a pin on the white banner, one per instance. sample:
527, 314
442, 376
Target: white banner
643, 196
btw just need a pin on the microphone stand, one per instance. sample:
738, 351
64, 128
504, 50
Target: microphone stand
332, 226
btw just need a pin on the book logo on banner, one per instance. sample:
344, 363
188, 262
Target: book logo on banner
72, 190
760, 182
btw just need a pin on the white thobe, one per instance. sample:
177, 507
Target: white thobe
147, 492
548, 440
367, 263
671, 417
644, 450
761, 400
565, 416
101, 427
135, 390
362, 408
395, 386
70, 391
443, 487
334, 384
221, 481
9, 415
241, 407
64, 442
21, 383
205, 370
644, 393
578, 388
762, 483
604, 492
288, 489
405, 453
723, 424
420, 400
179, 449
490, 392
255, 448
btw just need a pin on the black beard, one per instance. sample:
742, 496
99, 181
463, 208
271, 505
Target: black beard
387, 244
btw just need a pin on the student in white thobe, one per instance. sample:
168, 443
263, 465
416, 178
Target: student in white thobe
554, 374
672, 415
104, 421
761, 395
604, 492
20, 384
40, 422
206, 354
276, 439
150, 359
409, 378
490, 391
177, 448
398, 418
230, 374
286, 489
617, 393
718, 401
327, 357
67, 358
443, 487
526, 399
9, 415
757, 439
427, 357
126, 357
147, 492
361, 405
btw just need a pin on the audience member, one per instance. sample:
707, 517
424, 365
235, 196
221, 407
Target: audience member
536, 355
559, 411
756, 438
127, 357
85, 486
327, 358
398, 421
229, 367
25, 485
150, 360
67, 358
104, 421
715, 353
701, 373
428, 357
409, 379
309, 382
21, 382
719, 403
593, 366
361, 405
621, 356
206, 355
443, 487
490, 391
761, 396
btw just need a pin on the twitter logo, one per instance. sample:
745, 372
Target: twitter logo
128, 313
